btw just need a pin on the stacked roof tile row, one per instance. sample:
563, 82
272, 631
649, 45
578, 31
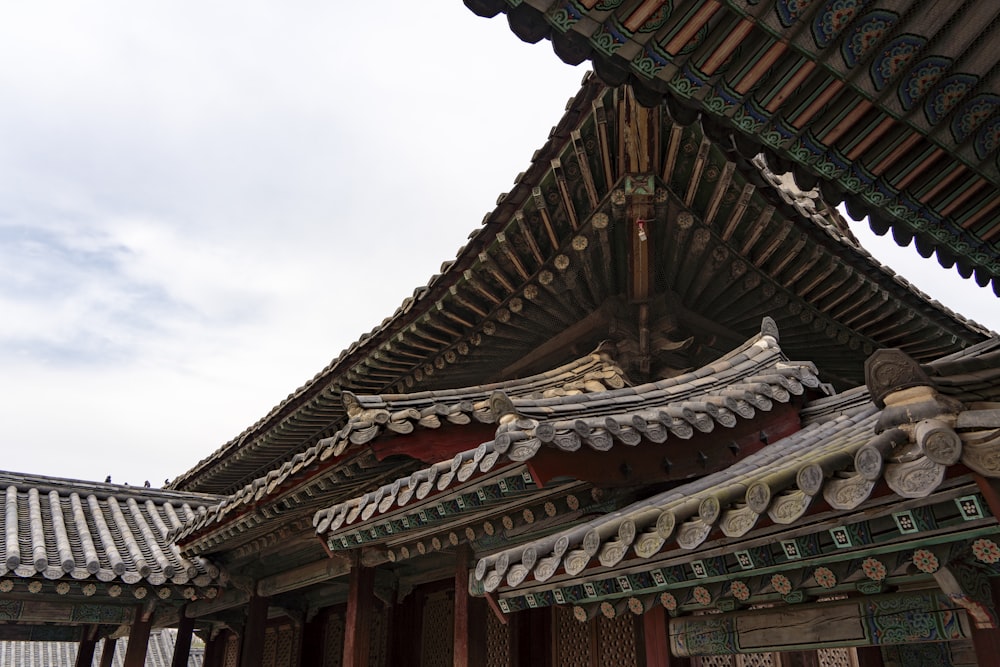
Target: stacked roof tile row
59, 528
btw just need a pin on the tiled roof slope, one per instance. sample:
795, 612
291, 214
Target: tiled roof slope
398, 414
730, 245
821, 87
68, 529
848, 445
159, 653
749, 380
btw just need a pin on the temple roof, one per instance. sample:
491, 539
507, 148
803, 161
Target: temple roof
891, 107
74, 531
546, 274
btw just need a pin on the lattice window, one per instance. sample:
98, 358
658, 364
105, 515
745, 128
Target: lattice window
380, 637
333, 654
232, 651
755, 660
836, 657
713, 661
616, 640
573, 639
285, 647
270, 644
438, 630
497, 642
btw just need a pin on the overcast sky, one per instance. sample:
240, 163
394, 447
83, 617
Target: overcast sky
201, 204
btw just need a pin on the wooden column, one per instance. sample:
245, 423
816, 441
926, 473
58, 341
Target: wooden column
108, 653
357, 625
313, 640
531, 638
656, 640
470, 617
215, 649
869, 656
405, 640
138, 639
252, 644
182, 647
85, 651
987, 640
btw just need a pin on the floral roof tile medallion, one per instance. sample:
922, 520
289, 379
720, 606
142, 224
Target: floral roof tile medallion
874, 569
926, 561
740, 590
701, 595
668, 601
986, 551
781, 584
825, 577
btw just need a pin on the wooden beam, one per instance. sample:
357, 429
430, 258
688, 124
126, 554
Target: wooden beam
306, 575
182, 646
138, 639
655, 635
360, 597
252, 644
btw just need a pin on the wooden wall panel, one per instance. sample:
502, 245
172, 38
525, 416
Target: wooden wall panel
497, 642
436, 641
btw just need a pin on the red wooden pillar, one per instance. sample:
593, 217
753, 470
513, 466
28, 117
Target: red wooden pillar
312, 646
85, 651
870, 656
108, 653
215, 649
531, 638
470, 618
252, 646
138, 639
182, 647
656, 639
357, 625
986, 641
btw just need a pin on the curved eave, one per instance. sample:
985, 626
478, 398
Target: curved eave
894, 112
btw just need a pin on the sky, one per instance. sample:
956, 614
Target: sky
202, 204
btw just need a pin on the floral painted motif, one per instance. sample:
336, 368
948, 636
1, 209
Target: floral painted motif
163, 593
114, 590
825, 577
668, 601
89, 590
701, 595
635, 606
833, 19
926, 561
988, 138
870, 30
789, 11
921, 79
781, 584
580, 614
740, 590
874, 569
894, 58
139, 592
62, 588
35, 586
986, 551
659, 17
947, 95
6, 586
972, 114
607, 609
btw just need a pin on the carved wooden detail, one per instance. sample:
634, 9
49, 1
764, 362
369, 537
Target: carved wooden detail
915, 479
497, 642
333, 653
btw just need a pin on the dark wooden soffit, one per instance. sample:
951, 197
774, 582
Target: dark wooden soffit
564, 257
892, 107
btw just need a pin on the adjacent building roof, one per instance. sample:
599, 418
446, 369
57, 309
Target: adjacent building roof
75, 531
160, 652
893, 108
